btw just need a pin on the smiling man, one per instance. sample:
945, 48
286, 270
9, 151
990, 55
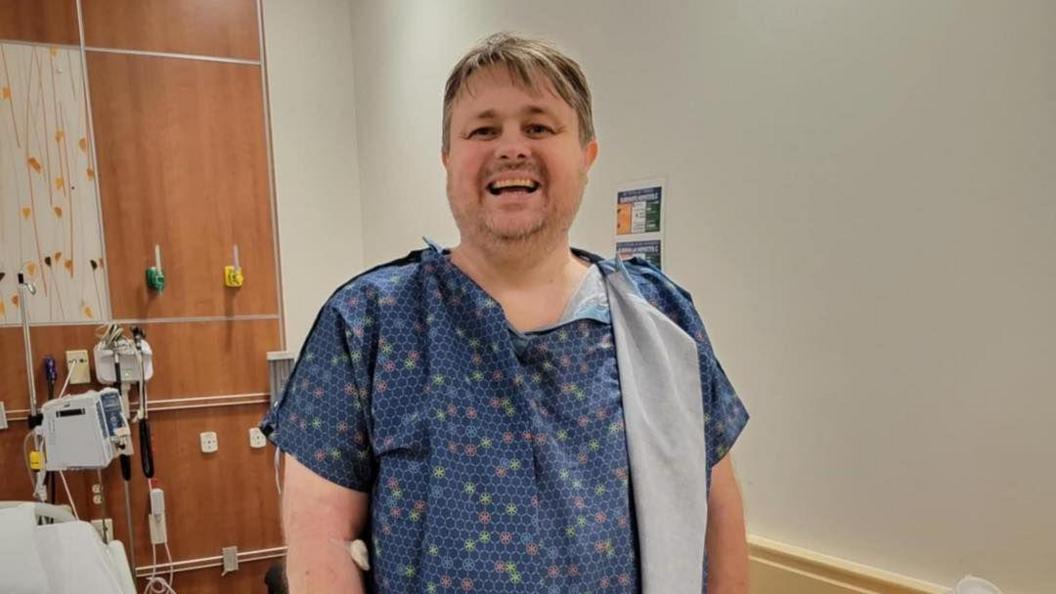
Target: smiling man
512, 415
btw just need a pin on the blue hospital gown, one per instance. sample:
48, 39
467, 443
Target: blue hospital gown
496, 461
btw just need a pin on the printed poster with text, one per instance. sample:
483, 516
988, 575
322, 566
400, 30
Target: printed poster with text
649, 250
640, 220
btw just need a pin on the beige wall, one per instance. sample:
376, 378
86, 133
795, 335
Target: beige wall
861, 200
309, 48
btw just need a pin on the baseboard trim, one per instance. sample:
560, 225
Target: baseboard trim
781, 568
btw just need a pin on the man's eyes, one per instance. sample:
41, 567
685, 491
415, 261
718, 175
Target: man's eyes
531, 130
483, 132
537, 130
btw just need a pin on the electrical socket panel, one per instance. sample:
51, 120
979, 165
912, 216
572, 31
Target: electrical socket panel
230, 557
158, 532
77, 367
256, 438
209, 442
105, 528
3, 416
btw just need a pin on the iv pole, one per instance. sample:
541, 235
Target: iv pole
23, 289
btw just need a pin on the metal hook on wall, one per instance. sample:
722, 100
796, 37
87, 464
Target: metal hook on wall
233, 276
155, 276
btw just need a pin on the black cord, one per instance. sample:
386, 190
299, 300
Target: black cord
146, 449
126, 467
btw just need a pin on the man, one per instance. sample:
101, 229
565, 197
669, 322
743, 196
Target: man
511, 415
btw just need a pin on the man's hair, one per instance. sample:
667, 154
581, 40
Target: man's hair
525, 59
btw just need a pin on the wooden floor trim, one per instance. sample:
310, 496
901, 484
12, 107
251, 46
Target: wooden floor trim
833, 572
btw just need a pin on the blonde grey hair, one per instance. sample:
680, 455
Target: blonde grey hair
525, 59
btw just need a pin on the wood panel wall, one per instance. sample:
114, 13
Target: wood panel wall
192, 359
53, 340
227, 498
40, 21
182, 161
227, 28
248, 579
183, 164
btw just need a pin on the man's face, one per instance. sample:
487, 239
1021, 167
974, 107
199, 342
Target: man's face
516, 169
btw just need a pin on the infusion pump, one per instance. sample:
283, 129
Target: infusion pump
85, 431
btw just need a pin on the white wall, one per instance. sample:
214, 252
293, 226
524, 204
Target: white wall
861, 200
309, 48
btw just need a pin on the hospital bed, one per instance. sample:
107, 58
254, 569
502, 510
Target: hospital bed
66, 556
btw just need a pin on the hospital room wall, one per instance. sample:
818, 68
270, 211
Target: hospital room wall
312, 104
860, 200
181, 148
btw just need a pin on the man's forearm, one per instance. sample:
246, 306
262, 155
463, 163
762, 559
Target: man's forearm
726, 538
319, 520
316, 567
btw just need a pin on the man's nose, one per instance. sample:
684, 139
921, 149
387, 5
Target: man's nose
513, 146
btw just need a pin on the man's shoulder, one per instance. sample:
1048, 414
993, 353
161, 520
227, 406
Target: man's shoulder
667, 296
653, 283
381, 282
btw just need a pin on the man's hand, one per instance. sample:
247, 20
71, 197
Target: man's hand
726, 540
320, 519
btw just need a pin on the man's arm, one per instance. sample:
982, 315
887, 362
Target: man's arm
726, 541
319, 519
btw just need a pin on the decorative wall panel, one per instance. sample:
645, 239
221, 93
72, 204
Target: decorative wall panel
49, 210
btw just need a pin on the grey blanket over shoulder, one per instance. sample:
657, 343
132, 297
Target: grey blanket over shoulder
659, 373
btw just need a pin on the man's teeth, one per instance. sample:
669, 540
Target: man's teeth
513, 184
505, 183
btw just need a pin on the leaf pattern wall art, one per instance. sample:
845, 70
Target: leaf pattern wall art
50, 226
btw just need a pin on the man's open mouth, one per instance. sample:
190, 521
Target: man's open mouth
500, 187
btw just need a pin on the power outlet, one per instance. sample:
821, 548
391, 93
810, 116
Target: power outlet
105, 528
209, 442
77, 367
3, 416
256, 438
230, 556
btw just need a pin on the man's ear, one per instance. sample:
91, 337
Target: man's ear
590, 153
443, 158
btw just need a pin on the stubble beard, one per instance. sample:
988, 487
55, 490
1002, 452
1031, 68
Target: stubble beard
539, 236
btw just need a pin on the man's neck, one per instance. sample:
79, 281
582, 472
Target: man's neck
518, 268
533, 288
